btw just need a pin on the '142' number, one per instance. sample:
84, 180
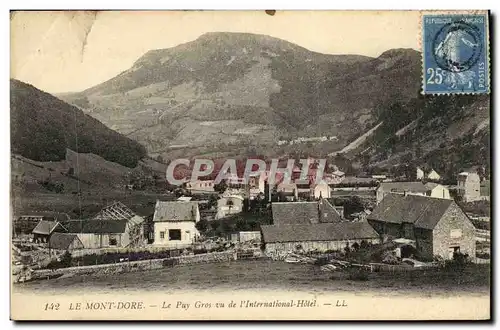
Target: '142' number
436, 76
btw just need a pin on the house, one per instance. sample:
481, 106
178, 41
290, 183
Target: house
136, 228
114, 226
312, 226
24, 224
175, 223
413, 188
96, 234
200, 186
433, 175
469, 186
420, 173
44, 229
304, 190
229, 204
436, 190
288, 191
438, 226
322, 190
62, 242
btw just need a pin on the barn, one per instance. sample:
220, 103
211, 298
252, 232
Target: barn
309, 226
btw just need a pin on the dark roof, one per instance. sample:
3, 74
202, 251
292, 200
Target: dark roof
417, 187
424, 212
45, 227
96, 226
62, 241
287, 213
318, 232
328, 212
175, 211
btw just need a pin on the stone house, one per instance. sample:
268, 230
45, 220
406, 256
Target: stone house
175, 223
438, 226
312, 226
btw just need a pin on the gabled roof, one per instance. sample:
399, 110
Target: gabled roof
416, 187
62, 241
96, 226
328, 212
175, 211
45, 227
318, 232
115, 211
286, 213
422, 211
432, 185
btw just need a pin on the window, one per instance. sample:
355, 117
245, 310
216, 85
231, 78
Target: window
456, 233
162, 235
112, 240
174, 234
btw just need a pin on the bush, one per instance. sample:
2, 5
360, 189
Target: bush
358, 274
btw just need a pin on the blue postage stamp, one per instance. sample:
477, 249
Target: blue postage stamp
455, 52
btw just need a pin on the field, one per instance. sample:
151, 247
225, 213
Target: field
267, 274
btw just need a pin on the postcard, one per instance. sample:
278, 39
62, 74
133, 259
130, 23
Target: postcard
250, 165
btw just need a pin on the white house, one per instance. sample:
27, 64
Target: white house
322, 190
174, 223
433, 175
420, 173
436, 190
229, 204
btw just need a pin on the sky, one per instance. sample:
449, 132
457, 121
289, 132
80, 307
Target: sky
69, 51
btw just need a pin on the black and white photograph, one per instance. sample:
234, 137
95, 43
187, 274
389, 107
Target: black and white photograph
250, 165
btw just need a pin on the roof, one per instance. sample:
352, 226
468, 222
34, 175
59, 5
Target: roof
184, 198
318, 232
431, 185
45, 227
96, 226
115, 211
328, 212
286, 213
175, 211
422, 211
403, 186
62, 241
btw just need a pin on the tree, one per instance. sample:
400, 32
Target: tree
202, 226
220, 187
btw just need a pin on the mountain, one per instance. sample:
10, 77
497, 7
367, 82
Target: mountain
448, 133
43, 127
234, 93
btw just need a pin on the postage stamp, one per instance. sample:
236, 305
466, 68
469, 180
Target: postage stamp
455, 53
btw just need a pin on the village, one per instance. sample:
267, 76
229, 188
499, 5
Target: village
353, 224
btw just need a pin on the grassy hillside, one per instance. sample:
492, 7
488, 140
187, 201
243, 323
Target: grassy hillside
43, 127
446, 133
237, 91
